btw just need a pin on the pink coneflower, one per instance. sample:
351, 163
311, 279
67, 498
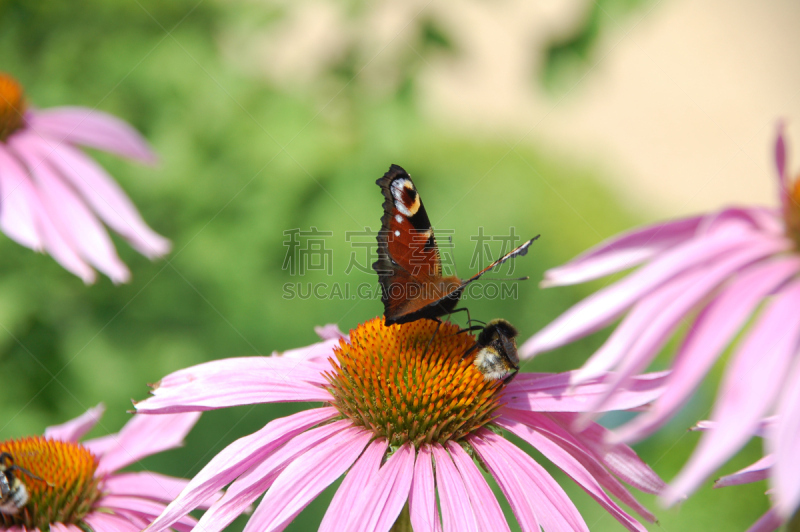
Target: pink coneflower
716, 270
53, 196
391, 413
75, 486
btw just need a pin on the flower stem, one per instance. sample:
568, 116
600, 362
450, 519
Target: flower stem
403, 523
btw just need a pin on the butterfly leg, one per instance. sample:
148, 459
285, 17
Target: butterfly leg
436, 330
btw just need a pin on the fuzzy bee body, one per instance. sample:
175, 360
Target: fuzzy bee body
496, 347
13, 493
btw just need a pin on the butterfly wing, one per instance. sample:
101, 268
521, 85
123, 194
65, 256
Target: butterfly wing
408, 265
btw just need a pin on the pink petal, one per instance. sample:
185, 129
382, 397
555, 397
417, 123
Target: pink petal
105, 197
749, 388
73, 219
648, 326
767, 523
96, 129
54, 527
253, 483
383, 498
752, 473
104, 522
588, 456
553, 392
620, 459
526, 486
146, 435
19, 203
75, 429
780, 165
330, 332
320, 350
604, 306
622, 252
147, 485
484, 504
711, 332
574, 469
456, 510
422, 500
304, 479
783, 440
140, 511
237, 458
236, 381
365, 468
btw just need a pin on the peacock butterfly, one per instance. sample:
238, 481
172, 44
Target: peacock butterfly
409, 267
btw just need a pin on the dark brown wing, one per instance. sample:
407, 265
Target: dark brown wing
409, 267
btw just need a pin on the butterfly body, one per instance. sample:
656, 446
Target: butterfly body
409, 266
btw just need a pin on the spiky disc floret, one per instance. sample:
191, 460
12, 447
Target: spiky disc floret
385, 380
61, 485
12, 105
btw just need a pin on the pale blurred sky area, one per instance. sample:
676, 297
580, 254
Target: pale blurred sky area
677, 106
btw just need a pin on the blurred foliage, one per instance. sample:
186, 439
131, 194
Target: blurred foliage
243, 159
569, 57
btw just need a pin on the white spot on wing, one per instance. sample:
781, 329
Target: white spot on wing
397, 233
398, 218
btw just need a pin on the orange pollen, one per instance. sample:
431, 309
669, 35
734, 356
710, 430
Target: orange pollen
12, 106
58, 477
390, 381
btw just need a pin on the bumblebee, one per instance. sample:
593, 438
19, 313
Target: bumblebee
13, 493
497, 356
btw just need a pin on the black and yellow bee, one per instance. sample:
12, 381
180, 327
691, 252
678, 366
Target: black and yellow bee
13, 493
497, 356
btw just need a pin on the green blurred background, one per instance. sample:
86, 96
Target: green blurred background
246, 156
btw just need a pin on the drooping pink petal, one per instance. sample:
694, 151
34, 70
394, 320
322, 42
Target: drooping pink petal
573, 468
761, 429
236, 381
548, 428
457, 512
749, 388
148, 485
710, 333
783, 440
422, 500
141, 511
18, 201
237, 458
767, 523
752, 473
484, 504
780, 165
304, 479
74, 430
606, 305
146, 435
101, 521
554, 393
105, 197
249, 486
647, 327
360, 475
622, 252
89, 127
73, 219
620, 459
383, 498
531, 497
